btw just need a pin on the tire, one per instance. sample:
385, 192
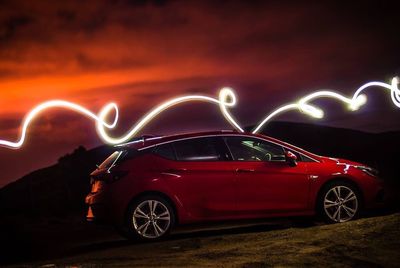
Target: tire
140, 224
338, 202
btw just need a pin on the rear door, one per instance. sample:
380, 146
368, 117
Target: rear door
204, 177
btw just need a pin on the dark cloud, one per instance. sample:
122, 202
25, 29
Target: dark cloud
66, 16
10, 26
89, 63
142, 3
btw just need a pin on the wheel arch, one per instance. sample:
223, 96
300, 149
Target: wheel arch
339, 179
157, 193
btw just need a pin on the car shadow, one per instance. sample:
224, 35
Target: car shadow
195, 231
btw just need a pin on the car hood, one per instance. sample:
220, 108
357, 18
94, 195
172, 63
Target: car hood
341, 161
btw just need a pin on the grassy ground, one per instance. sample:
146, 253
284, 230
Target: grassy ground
368, 242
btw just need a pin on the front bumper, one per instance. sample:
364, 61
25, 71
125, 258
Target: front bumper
377, 194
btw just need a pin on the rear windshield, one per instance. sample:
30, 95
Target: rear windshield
111, 160
121, 156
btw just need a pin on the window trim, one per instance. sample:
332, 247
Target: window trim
226, 135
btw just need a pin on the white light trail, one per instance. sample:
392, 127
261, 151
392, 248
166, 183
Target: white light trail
226, 100
353, 103
58, 104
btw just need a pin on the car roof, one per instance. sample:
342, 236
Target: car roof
147, 141
151, 140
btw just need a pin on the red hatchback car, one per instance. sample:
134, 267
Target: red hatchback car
151, 184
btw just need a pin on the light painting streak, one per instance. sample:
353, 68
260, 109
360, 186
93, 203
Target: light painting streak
58, 104
353, 103
226, 100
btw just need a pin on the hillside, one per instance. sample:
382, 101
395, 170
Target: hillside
369, 242
53, 190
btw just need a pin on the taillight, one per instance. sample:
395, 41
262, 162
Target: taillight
97, 186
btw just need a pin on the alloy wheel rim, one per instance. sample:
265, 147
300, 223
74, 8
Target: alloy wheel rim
340, 204
151, 219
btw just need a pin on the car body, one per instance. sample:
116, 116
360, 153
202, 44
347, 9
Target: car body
226, 175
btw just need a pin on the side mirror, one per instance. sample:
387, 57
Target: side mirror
291, 159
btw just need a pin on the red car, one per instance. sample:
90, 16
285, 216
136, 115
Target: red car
151, 184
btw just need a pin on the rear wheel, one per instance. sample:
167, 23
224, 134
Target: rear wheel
339, 202
149, 218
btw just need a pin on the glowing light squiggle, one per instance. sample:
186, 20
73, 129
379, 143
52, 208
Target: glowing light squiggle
353, 103
226, 100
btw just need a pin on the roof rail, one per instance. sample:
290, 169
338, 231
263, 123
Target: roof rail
229, 130
137, 139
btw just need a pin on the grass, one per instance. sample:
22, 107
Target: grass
368, 242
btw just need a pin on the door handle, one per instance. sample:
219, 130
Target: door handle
244, 170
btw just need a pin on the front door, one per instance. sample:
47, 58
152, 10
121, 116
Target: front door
265, 183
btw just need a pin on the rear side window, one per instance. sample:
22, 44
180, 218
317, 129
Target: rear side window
165, 151
199, 149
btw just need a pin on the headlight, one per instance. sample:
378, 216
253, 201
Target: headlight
370, 171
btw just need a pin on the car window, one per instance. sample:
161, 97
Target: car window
165, 151
306, 159
199, 149
252, 149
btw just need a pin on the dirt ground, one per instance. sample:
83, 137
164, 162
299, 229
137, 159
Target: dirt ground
368, 242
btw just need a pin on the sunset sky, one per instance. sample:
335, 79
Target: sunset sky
139, 53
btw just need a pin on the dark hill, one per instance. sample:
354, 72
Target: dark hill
54, 190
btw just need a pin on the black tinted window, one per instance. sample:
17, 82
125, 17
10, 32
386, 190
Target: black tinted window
251, 149
165, 151
306, 159
200, 149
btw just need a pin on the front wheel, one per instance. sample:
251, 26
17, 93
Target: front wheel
149, 218
339, 202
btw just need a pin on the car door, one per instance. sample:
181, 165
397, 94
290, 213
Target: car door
265, 182
204, 181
